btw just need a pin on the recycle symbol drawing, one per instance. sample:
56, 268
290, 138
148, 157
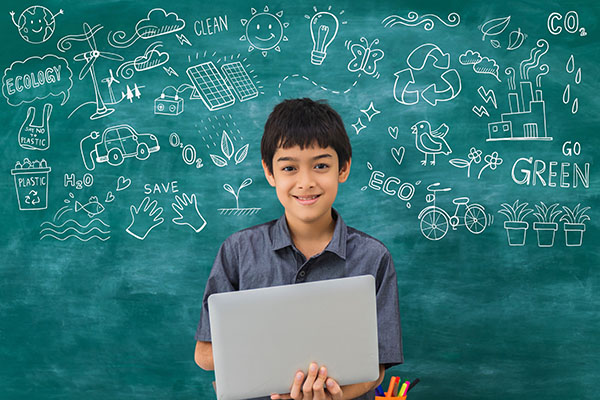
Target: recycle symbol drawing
407, 90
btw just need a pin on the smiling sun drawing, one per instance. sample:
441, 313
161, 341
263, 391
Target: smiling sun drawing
264, 31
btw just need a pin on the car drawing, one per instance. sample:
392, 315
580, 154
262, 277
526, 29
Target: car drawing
122, 141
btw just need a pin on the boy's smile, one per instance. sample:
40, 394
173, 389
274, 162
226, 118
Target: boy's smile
306, 181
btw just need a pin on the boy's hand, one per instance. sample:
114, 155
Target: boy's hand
313, 387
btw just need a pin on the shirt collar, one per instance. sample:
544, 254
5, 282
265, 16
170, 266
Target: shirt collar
280, 235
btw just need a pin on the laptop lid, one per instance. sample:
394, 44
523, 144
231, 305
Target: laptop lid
261, 337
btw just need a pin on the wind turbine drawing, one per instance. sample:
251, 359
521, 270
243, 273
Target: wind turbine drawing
90, 58
109, 81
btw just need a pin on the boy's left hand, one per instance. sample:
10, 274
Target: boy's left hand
316, 386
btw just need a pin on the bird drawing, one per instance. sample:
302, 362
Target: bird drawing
430, 142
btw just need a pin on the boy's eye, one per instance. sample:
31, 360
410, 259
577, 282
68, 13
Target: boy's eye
288, 168
321, 166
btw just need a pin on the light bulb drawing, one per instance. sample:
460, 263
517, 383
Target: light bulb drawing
323, 29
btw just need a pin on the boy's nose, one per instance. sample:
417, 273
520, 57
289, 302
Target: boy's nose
305, 180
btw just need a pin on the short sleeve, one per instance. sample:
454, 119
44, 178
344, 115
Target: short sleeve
388, 313
223, 278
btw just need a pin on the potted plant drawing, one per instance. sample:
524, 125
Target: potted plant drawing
574, 226
546, 225
516, 228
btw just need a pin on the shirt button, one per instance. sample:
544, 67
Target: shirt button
302, 274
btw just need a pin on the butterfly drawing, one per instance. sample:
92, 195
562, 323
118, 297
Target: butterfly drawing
365, 57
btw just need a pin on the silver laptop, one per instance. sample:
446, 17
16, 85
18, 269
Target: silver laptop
261, 337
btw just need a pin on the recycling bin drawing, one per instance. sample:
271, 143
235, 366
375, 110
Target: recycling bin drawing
31, 184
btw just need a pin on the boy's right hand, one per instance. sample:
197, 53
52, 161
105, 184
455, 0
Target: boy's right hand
316, 386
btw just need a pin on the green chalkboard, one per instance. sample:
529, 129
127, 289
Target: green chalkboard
130, 151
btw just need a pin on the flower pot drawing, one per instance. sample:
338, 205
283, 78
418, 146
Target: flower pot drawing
545, 233
31, 184
516, 232
574, 234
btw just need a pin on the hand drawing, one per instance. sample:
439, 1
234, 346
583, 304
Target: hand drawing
186, 207
144, 218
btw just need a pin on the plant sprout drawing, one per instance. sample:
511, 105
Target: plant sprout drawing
492, 161
237, 210
228, 150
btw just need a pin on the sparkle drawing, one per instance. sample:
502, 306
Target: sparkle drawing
35, 24
264, 31
427, 20
157, 23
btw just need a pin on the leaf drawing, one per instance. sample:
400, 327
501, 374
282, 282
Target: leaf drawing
226, 145
241, 154
218, 160
494, 26
459, 163
495, 43
247, 182
229, 189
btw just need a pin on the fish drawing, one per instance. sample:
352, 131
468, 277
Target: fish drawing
92, 207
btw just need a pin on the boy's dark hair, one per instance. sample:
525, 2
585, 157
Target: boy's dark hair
304, 122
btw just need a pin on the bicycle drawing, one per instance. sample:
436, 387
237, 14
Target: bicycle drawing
435, 221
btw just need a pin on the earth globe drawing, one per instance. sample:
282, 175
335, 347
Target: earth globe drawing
35, 24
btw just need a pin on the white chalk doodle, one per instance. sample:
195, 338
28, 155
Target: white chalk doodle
86, 181
566, 98
144, 218
398, 154
430, 141
36, 24
574, 224
92, 207
264, 31
183, 39
516, 227
435, 221
358, 126
151, 58
115, 144
31, 184
533, 61
131, 93
365, 57
123, 183
186, 208
494, 26
214, 90
480, 64
210, 26
427, 20
237, 211
306, 78
323, 30
393, 131
480, 111
188, 152
32, 136
516, 39
37, 78
158, 22
487, 96
171, 104
94, 229
409, 91
109, 80
570, 23
228, 150
90, 58
492, 161
370, 112
170, 71
378, 181
546, 225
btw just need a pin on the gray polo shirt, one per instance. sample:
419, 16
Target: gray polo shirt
264, 255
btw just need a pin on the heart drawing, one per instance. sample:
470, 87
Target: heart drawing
393, 131
123, 183
398, 154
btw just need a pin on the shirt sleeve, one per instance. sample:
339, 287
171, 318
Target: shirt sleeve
223, 278
389, 330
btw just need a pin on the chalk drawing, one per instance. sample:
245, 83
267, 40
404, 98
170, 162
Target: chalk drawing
323, 30
435, 221
494, 26
32, 136
365, 57
430, 141
237, 211
144, 218
427, 20
228, 150
358, 126
35, 24
151, 58
157, 23
570, 23
264, 31
391, 186
31, 184
188, 152
516, 227
516, 39
186, 208
480, 64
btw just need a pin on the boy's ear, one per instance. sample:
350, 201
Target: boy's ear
268, 174
344, 171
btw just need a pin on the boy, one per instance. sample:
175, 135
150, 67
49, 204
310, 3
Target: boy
306, 153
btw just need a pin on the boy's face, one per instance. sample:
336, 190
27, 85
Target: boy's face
306, 181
